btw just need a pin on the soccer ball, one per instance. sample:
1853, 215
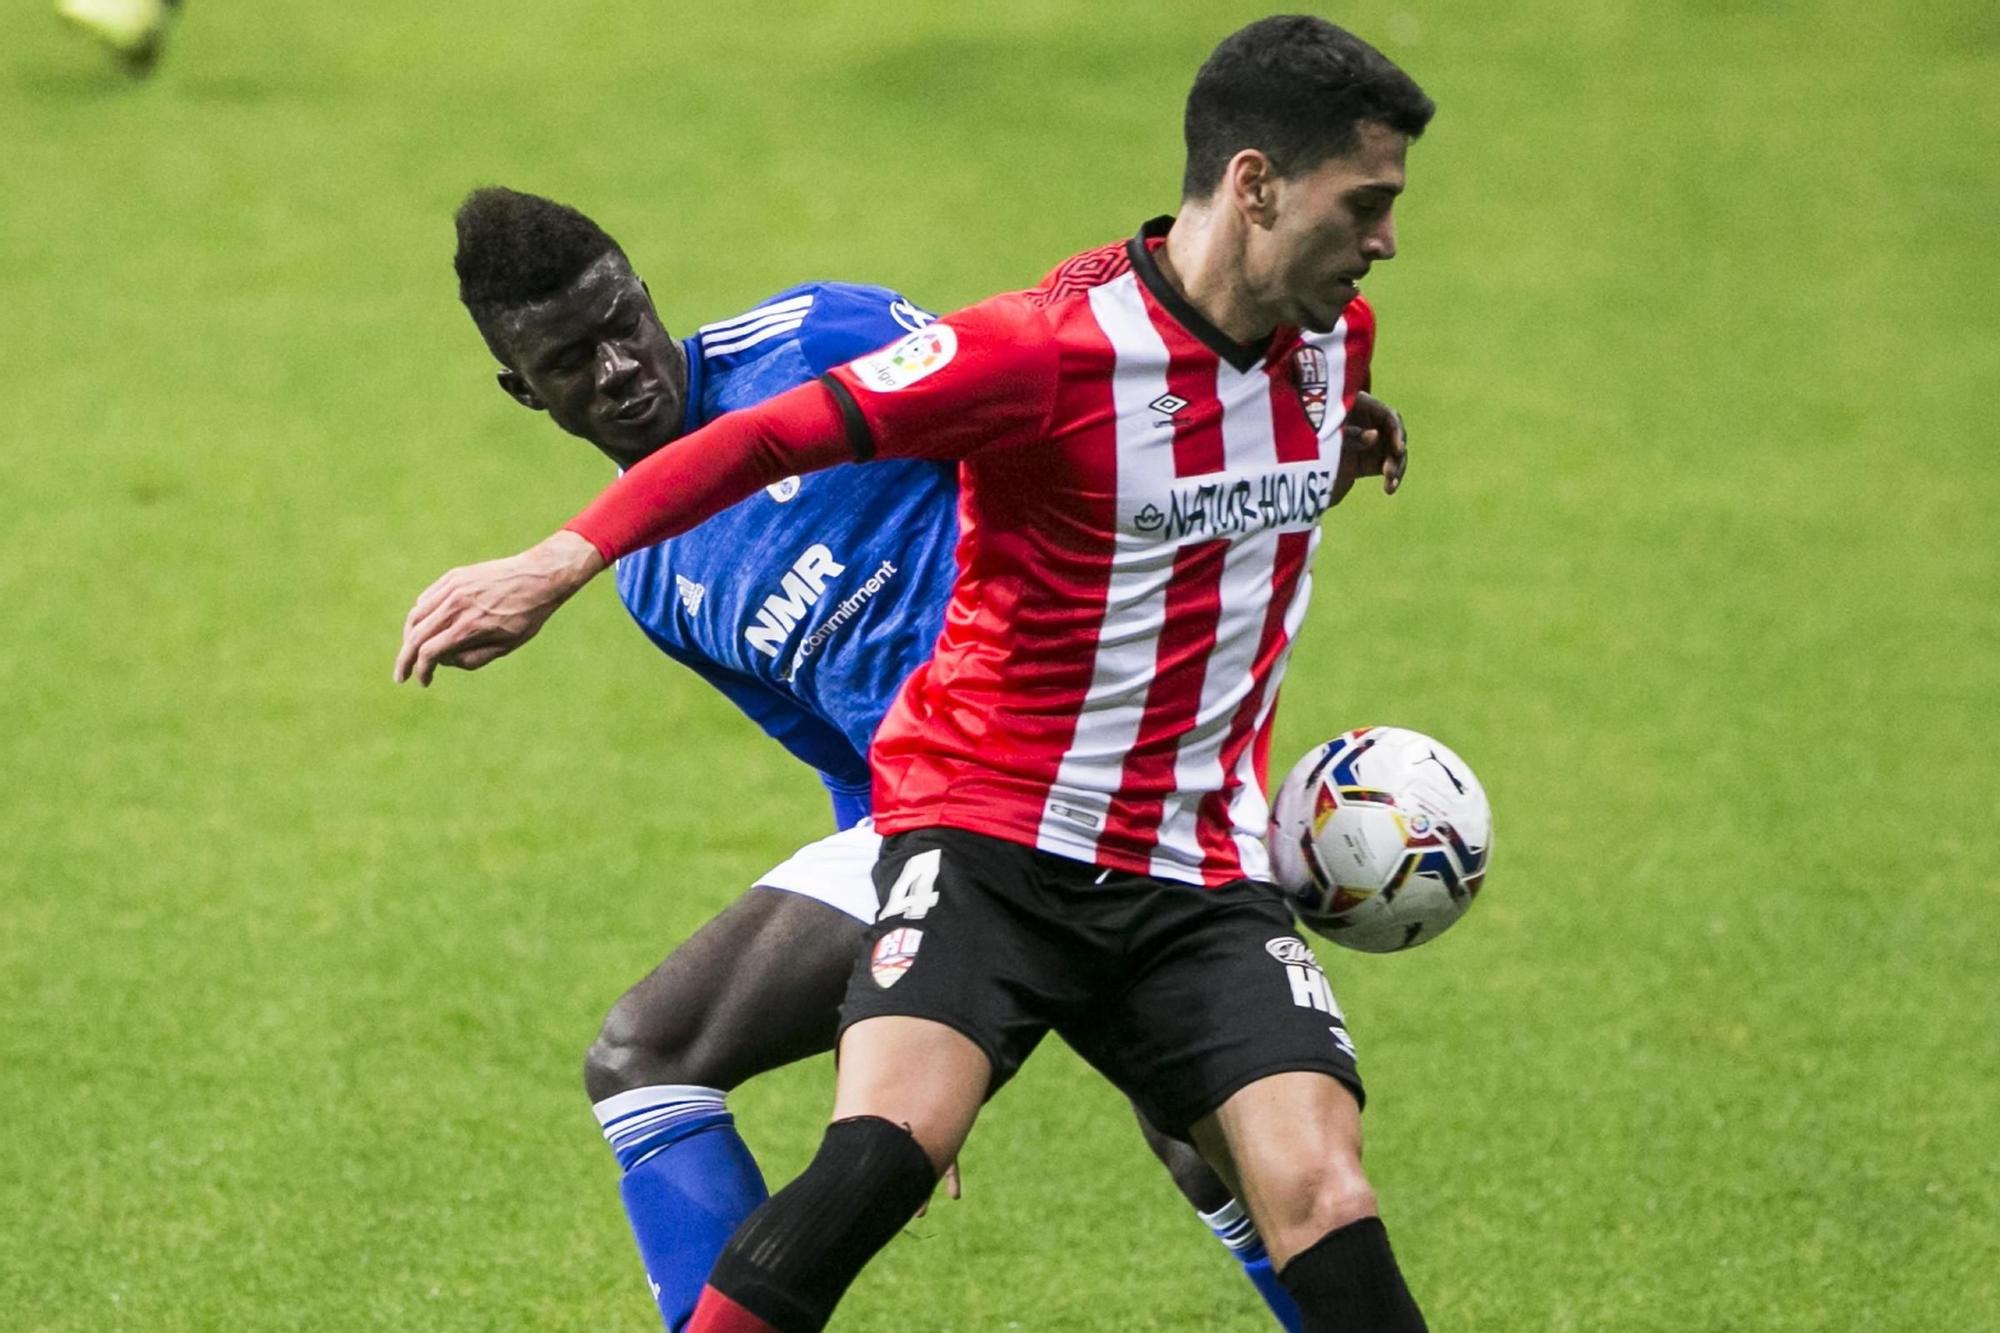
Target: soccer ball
1380, 838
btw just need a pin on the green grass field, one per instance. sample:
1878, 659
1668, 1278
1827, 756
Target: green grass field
1699, 564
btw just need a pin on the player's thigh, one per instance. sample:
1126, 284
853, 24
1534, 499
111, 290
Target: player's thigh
759, 985
1223, 993
914, 1072
958, 949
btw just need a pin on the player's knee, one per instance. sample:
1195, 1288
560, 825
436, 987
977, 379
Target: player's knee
790, 1263
1319, 1198
629, 1053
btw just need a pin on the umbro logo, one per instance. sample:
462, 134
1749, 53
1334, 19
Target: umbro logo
691, 593
1168, 404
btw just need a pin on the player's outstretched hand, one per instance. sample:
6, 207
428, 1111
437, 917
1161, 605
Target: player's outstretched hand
1377, 445
480, 613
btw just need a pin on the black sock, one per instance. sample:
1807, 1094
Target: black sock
1348, 1282
791, 1262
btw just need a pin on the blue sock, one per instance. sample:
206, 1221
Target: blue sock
689, 1182
1233, 1227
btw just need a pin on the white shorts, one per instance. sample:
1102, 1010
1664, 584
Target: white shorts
838, 871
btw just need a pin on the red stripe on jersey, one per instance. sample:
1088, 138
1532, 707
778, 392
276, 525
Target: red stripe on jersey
1360, 318
1187, 638
1191, 371
1213, 829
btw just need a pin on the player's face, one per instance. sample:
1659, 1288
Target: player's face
1329, 225
595, 358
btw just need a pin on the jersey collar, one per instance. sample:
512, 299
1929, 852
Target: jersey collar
1244, 356
691, 408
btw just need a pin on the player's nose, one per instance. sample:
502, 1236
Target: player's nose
614, 365
1380, 242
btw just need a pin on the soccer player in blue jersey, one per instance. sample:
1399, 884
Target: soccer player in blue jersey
807, 605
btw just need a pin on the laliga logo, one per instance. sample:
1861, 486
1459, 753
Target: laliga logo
902, 364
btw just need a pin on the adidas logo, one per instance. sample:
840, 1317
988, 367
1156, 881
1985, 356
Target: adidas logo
691, 593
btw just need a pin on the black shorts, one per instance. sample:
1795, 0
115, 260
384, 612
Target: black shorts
1179, 995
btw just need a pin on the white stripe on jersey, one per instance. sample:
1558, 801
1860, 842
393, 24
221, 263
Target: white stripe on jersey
1244, 595
784, 324
1249, 811
797, 304
1135, 603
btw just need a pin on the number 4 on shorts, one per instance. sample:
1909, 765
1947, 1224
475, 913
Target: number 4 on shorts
915, 890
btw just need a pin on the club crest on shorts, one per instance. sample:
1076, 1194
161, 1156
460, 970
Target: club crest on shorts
893, 955
1310, 379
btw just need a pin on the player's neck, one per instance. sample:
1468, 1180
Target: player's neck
1203, 262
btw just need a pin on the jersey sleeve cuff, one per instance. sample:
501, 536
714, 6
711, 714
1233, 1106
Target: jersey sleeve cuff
860, 440
605, 551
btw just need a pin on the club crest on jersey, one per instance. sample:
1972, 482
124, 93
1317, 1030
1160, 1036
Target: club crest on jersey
782, 491
1310, 379
906, 313
893, 955
901, 364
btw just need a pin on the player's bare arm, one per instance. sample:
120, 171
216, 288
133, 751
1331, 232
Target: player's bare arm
478, 613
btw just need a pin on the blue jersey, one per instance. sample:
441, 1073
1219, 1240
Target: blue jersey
809, 603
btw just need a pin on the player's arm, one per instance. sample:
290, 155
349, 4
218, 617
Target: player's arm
478, 613
979, 379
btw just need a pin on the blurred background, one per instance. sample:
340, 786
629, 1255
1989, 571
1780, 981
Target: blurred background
1699, 566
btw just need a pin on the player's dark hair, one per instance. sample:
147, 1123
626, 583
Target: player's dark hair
1296, 88
515, 249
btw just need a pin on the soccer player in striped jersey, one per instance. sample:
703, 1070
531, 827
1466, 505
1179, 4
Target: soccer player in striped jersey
807, 604
1071, 789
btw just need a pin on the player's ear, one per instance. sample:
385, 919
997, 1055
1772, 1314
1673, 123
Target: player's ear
1251, 179
516, 386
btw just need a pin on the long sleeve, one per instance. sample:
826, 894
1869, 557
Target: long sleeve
700, 475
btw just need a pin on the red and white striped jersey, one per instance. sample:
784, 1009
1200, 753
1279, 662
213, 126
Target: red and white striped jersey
1139, 505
